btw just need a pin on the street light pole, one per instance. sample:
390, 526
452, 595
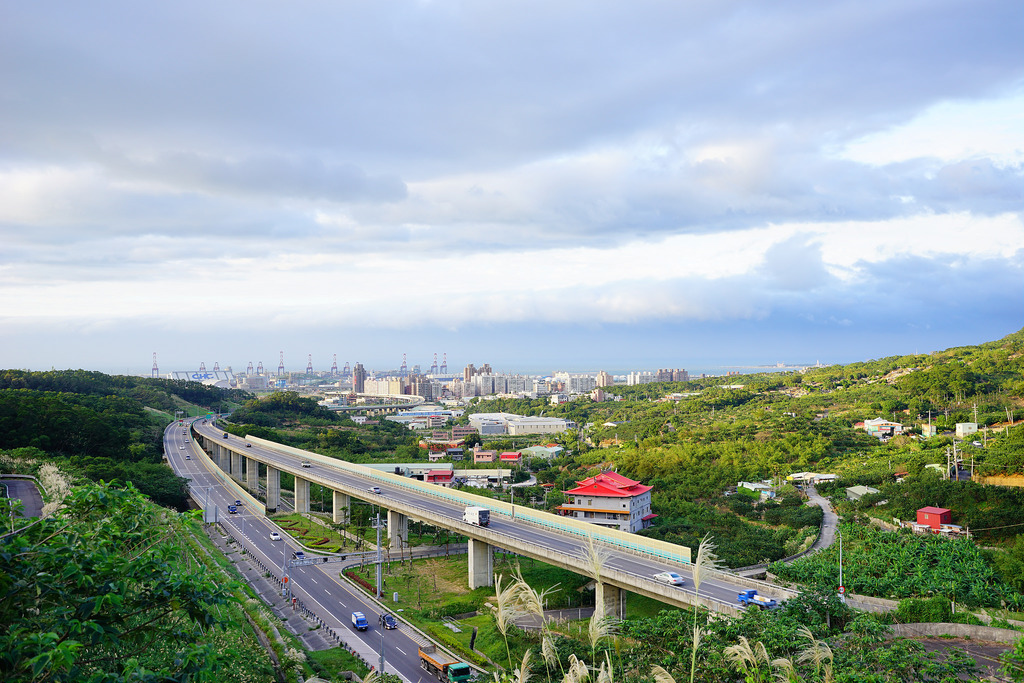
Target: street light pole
842, 588
380, 596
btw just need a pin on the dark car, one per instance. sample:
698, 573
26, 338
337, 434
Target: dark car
388, 621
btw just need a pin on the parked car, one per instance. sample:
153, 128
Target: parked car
274, 536
387, 621
670, 578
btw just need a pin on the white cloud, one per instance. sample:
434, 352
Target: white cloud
950, 131
568, 162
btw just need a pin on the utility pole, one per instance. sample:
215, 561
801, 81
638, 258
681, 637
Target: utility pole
380, 591
842, 588
380, 596
284, 569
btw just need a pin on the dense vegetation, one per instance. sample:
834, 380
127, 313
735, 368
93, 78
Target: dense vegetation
990, 513
287, 418
694, 440
100, 426
902, 565
113, 588
691, 441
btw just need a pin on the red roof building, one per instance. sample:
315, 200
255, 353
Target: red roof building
934, 517
612, 500
511, 457
441, 477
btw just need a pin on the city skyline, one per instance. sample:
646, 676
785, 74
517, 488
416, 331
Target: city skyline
558, 185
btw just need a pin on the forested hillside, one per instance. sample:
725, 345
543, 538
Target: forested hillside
694, 440
102, 427
286, 417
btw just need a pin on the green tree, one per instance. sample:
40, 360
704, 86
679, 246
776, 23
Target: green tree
101, 592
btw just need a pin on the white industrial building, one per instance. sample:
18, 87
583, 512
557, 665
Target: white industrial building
538, 425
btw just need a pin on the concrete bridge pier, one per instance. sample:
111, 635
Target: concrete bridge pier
252, 475
398, 530
342, 506
273, 489
612, 598
236, 465
301, 495
481, 564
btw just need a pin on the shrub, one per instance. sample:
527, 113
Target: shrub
458, 607
915, 610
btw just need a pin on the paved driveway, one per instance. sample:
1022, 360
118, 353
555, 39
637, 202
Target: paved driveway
828, 525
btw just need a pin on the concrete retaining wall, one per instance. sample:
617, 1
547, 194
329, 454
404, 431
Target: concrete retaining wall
988, 633
1015, 480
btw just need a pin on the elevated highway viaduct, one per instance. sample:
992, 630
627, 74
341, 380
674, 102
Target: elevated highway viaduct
619, 562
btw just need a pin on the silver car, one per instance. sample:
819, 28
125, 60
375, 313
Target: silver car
670, 578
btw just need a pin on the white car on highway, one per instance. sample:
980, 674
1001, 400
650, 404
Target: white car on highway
274, 536
670, 578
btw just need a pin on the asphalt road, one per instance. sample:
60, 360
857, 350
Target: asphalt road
318, 586
523, 537
25, 490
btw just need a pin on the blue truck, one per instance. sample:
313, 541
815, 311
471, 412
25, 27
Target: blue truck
359, 622
750, 598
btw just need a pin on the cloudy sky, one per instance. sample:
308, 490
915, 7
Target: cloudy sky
538, 185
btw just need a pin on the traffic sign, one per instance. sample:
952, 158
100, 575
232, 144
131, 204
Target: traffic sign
842, 589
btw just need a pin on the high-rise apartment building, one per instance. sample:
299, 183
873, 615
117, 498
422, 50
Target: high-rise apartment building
635, 378
470, 371
359, 378
677, 375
